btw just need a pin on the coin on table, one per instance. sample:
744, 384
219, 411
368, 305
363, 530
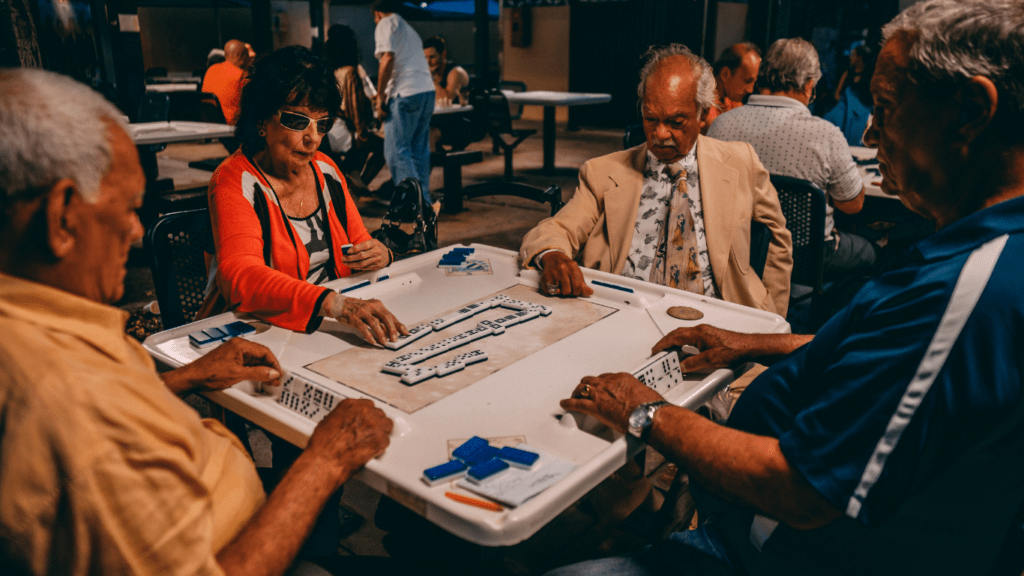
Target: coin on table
685, 313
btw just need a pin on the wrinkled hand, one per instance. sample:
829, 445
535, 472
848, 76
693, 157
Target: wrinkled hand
233, 361
369, 255
718, 348
353, 433
561, 270
373, 321
611, 398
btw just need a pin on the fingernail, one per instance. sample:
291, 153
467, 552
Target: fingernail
274, 374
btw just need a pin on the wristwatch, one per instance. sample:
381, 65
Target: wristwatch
642, 417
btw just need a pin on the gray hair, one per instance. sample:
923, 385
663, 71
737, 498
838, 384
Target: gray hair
701, 70
51, 128
789, 64
955, 41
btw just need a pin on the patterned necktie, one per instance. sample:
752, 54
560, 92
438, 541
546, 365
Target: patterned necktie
680, 266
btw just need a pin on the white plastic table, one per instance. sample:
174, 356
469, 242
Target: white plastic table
872, 181
174, 87
520, 399
177, 131
550, 100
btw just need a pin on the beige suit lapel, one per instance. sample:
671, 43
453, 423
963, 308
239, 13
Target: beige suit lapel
717, 185
621, 204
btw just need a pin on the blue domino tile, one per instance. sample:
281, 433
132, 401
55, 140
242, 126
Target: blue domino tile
216, 333
238, 328
445, 472
488, 469
517, 457
469, 447
484, 454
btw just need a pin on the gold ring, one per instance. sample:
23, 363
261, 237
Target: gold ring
585, 391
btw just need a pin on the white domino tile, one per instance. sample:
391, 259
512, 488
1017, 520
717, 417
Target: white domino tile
394, 367
417, 375
449, 367
415, 333
308, 398
494, 326
661, 372
471, 357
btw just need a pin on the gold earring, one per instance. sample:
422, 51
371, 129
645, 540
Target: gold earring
263, 132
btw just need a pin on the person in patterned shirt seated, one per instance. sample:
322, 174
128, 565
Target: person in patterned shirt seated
675, 210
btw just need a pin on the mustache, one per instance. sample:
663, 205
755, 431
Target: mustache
666, 142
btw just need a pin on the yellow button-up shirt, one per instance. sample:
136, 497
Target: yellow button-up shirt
102, 468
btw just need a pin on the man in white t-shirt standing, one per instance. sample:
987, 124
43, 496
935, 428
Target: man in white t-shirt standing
405, 96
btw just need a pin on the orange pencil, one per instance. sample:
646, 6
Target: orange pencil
474, 502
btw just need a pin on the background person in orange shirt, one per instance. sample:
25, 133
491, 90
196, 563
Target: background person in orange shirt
225, 79
735, 74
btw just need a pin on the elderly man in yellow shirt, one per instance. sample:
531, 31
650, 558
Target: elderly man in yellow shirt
102, 468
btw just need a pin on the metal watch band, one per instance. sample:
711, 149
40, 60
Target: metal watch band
642, 417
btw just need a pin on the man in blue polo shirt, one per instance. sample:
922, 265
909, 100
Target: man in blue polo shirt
893, 441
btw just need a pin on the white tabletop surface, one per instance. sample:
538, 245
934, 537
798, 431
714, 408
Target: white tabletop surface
177, 131
548, 98
872, 181
519, 399
177, 87
456, 109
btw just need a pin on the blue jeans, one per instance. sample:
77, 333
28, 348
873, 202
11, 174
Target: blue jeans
407, 139
699, 552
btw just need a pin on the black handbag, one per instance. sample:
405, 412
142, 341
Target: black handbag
407, 207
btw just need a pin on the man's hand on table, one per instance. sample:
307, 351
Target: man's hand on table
373, 321
353, 433
561, 276
726, 349
610, 398
226, 365
369, 255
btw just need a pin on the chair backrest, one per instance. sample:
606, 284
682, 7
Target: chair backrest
154, 107
803, 205
552, 195
514, 110
760, 238
634, 136
176, 245
196, 107
498, 114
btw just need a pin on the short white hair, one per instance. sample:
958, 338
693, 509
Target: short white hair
51, 128
701, 71
954, 41
788, 65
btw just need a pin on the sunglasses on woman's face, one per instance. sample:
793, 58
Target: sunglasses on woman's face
298, 122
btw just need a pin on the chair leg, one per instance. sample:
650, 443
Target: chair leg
496, 148
508, 163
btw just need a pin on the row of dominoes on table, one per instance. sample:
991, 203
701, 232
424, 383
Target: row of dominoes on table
404, 365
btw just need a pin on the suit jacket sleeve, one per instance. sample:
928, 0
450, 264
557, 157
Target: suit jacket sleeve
568, 230
767, 210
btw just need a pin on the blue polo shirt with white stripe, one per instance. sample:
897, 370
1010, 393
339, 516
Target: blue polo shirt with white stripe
941, 497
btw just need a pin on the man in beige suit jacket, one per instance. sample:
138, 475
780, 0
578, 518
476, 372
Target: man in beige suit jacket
597, 226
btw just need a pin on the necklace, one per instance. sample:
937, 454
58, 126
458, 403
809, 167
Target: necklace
266, 176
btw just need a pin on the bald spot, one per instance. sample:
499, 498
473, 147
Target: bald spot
673, 78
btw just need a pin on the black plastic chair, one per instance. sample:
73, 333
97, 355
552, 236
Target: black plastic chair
499, 122
515, 111
177, 244
803, 205
552, 195
760, 239
154, 107
634, 136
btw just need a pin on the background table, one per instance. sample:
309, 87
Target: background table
520, 399
872, 181
550, 100
177, 131
175, 87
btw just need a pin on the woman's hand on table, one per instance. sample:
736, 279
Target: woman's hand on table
373, 321
369, 255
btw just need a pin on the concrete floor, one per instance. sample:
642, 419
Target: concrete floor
496, 221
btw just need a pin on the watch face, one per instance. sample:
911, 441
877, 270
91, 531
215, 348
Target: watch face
638, 420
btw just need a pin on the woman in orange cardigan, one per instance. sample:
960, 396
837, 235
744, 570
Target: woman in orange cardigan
281, 210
